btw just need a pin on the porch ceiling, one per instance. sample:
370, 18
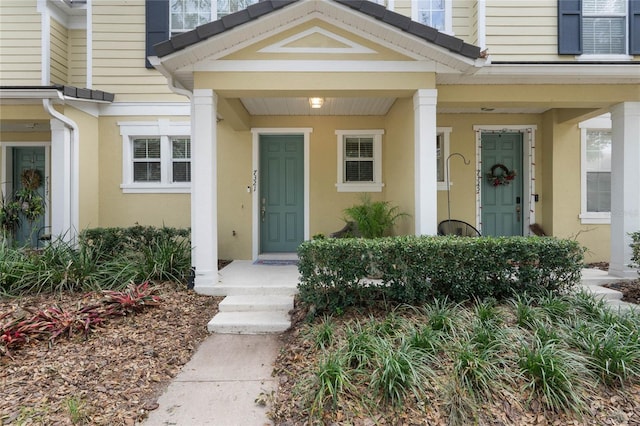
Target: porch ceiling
331, 106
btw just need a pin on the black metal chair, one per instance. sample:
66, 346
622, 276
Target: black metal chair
457, 227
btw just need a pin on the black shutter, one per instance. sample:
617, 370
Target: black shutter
157, 25
634, 27
569, 27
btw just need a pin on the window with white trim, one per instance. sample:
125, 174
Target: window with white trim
442, 147
359, 160
156, 157
596, 171
434, 13
186, 15
604, 24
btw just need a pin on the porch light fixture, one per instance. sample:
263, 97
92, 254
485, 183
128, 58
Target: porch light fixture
316, 103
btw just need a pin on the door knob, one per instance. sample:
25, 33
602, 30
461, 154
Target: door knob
263, 209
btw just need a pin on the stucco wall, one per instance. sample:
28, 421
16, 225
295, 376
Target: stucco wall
119, 209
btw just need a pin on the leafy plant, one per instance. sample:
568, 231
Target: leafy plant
559, 377
332, 379
373, 218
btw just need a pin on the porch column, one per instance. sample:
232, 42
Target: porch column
61, 195
426, 178
625, 176
204, 190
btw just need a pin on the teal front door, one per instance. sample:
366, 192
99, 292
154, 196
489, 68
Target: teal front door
501, 196
281, 200
28, 158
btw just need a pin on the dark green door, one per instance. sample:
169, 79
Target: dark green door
26, 158
501, 196
281, 193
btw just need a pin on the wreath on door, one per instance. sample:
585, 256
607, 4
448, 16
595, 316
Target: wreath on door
500, 175
30, 201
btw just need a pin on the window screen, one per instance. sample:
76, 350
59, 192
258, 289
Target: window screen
358, 159
146, 160
181, 159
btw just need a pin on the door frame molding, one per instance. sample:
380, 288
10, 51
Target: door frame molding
255, 181
8, 168
528, 132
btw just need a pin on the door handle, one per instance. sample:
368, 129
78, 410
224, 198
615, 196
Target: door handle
518, 209
263, 209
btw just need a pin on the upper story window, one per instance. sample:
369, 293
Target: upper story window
156, 156
607, 29
596, 170
188, 14
604, 25
434, 13
359, 160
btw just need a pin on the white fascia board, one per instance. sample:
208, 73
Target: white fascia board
548, 74
316, 66
30, 94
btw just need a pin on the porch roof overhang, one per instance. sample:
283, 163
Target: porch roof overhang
205, 48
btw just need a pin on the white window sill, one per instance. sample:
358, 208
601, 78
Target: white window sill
604, 58
359, 187
595, 218
155, 188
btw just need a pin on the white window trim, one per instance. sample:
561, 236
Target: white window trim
446, 133
160, 128
448, 15
602, 122
376, 185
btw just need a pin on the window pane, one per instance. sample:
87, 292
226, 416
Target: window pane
146, 148
181, 148
598, 192
182, 171
599, 150
603, 7
359, 171
359, 147
605, 36
146, 172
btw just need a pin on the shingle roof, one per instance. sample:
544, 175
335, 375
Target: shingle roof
69, 91
369, 8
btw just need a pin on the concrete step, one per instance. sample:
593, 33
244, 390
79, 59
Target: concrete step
252, 290
603, 292
256, 303
622, 307
257, 322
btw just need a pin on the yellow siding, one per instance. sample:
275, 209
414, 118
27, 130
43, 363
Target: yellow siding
519, 30
119, 52
58, 49
20, 45
403, 7
464, 18
77, 58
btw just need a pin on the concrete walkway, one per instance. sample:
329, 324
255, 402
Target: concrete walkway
220, 384
592, 281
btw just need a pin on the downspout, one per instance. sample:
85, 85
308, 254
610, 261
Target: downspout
75, 141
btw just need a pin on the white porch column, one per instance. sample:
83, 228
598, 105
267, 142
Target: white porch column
204, 190
61, 191
625, 177
426, 178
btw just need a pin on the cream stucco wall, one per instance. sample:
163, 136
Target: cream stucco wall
119, 209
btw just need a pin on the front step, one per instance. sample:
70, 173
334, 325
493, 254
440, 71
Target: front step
256, 322
256, 303
607, 294
250, 290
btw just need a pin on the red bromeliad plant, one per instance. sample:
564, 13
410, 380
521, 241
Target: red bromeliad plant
54, 322
133, 299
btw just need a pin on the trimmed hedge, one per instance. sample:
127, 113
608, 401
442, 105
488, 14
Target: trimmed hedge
336, 273
112, 242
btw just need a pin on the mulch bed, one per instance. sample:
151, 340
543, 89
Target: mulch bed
112, 377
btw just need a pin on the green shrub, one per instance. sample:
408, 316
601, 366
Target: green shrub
373, 219
635, 248
335, 272
113, 241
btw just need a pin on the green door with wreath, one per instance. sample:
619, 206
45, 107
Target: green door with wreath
501, 191
29, 180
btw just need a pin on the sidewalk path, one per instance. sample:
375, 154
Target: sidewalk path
220, 384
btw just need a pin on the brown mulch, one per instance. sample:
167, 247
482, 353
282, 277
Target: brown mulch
112, 377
